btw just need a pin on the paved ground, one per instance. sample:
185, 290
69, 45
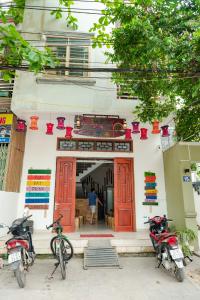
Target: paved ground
137, 280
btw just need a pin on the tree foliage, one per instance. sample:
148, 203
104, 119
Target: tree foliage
160, 40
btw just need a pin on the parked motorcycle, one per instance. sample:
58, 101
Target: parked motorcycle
20, 249
166, 246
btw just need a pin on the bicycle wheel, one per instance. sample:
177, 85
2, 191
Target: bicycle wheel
68, 249
62, 260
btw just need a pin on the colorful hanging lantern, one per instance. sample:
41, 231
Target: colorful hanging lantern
34, 125
128, 134
21, 125
135, 126
156, 128
61, 121
165, 131
68, 134
49, 128
143, 135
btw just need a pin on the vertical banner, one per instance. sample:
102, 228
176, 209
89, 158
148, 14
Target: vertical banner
38, 189
150, 189
6, 121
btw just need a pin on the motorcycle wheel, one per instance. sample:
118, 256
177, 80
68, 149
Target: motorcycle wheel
20, 275
179, 274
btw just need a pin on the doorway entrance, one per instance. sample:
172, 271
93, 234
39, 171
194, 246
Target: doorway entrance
113, 182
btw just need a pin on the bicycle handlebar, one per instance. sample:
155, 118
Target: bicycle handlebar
55, 222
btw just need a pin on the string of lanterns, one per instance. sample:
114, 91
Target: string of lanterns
21, 127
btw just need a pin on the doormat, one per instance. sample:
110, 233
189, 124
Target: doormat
96, 235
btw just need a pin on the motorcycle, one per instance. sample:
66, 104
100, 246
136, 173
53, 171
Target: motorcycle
20, 250
165, 244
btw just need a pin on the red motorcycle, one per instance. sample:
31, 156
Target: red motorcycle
166, 246
20, 249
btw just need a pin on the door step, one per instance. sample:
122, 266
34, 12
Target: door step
100, 254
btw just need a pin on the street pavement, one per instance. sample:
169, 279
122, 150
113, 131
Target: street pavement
137, 280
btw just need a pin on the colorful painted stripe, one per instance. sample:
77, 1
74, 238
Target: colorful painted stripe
39, 171
37, 206
37, 195
36, 200
151, 197
151, 191
149, 174
150, 179
39, 177
38, 183
37, 189
150, 203
150, 185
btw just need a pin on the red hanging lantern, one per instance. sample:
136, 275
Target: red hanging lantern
34, 125
143, 135
21, 125
156, 128
128, 134
135, 126
68, 134
49, 128
61, 121
165, 131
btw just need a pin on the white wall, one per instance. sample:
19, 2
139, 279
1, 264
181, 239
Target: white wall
40, 152
197, 205
8, 207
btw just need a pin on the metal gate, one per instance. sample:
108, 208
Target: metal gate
3, 161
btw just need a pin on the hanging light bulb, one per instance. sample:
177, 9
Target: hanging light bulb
78, 122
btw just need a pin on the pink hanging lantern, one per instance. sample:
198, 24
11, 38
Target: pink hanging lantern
21, 125
128, 134
143, 135
34, 125
135, 126
165, 131
61, 121
156, 128
49, 128
68, 134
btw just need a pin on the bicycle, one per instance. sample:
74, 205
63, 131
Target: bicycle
61, 247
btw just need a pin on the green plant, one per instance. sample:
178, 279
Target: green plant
186, 237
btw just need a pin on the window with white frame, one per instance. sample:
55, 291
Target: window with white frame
71, 52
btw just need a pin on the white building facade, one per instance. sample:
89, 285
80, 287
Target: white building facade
70, 94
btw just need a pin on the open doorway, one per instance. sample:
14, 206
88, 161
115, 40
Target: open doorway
97, 175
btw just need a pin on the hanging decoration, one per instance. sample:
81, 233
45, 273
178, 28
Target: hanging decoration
143, 135
68, 134
150, 189
135, 126
49, 128
156, 128
128, 134
21, 125
165, 131
61, 125
34, 121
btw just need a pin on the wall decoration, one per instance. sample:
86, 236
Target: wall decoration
68, 134
21, 125
34, 123
143, 135
150, 189
6, 121
61, 125
165, 131
135, 126
99, 125
49, 128
128, 134
156, 128
38, 189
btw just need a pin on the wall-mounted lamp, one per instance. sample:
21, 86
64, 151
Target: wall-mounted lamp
124, 124
78, 122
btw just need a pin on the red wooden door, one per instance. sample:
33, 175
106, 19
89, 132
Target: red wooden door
124, 205
65, 192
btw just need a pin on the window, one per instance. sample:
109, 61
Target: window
71, 52
124, 94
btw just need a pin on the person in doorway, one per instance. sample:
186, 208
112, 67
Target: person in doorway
93, 200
